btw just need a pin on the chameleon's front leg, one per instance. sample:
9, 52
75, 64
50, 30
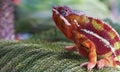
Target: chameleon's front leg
92, 56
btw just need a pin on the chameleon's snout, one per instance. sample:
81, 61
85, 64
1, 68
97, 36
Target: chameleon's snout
54, 8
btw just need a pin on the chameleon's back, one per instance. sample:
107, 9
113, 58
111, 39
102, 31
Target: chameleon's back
104, 36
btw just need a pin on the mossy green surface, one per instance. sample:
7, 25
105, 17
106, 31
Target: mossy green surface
41, 56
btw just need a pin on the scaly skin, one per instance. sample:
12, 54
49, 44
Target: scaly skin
93, 38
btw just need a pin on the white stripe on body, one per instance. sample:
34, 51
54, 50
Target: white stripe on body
101, 38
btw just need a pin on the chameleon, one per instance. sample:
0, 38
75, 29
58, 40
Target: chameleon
92, 37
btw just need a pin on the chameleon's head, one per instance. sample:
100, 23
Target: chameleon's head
67, 19
68, 15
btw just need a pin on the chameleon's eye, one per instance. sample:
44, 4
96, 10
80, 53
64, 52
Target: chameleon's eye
63, 12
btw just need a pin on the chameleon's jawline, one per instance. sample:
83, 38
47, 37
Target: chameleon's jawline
55, 11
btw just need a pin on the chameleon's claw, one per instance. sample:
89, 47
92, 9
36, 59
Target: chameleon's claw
70, 48
100, 64
89, 65
83, 64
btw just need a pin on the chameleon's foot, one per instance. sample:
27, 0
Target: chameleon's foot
106, 63
102, 63
89, 65
70, 48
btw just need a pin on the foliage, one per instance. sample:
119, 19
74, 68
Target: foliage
41, 56
34, 16
114, 7
33, 25
51, 35
93, 8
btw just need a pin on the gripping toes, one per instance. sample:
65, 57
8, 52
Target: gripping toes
106, 63
71, 48
101, 63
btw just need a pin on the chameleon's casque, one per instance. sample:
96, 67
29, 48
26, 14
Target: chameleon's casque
93, 38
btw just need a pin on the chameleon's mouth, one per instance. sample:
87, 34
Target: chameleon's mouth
54, 9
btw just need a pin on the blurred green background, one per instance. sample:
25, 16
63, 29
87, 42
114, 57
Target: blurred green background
34, 17
43, 51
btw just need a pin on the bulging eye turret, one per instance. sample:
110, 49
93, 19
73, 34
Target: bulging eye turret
64, 11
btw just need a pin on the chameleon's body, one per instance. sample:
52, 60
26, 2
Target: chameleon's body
93, 38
